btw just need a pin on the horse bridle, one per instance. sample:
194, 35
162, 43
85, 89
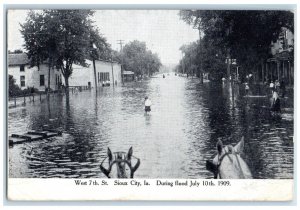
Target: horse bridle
118, 160
221, 159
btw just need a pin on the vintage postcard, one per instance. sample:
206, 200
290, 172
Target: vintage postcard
150, 104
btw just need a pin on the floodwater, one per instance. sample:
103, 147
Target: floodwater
174, 141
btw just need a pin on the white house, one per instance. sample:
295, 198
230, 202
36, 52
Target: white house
105, 72
26, 76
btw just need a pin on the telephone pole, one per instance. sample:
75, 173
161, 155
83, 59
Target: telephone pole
201, 63
120, 42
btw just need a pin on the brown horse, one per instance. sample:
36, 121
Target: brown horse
120, 164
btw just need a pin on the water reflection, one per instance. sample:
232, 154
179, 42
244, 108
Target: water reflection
174, 141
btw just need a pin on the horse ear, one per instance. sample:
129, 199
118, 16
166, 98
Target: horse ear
129, 154
219, 147
109, 154
239, 148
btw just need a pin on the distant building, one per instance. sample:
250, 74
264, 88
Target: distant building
280, 66
26, 76
128, 76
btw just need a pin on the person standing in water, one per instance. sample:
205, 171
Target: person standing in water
247, 88
148, 104
275, 106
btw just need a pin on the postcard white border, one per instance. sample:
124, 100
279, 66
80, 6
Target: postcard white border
66, 190
35, 183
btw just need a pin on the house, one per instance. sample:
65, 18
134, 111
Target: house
281, 65
26, 76
106, 72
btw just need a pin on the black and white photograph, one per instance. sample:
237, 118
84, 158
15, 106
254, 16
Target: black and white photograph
150, 94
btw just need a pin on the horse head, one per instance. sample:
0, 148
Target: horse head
228, 163
120, 164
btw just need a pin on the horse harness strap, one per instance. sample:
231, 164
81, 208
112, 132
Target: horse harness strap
227, 154
132, 169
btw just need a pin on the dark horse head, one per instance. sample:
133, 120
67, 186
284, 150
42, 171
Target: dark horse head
120, 164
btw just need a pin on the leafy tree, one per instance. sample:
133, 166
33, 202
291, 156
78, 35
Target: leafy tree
244, 35
64, 37
212, 59
189, 61
13, 89
138, 59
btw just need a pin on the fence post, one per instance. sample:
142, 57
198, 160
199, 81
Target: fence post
15, 101
24, 99
33, 97
40, 97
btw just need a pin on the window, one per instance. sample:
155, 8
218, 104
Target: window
101, 76
22, 68
22, 79
42, 80
104, 76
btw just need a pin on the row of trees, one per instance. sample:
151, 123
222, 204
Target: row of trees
243, 35
66, 37
137, 58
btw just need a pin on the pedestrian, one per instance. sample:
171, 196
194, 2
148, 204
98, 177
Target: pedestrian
275, 105
148, 104
271, 86
282, 87
247, 88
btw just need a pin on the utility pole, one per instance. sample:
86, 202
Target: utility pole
228, 61
95, 75
228, 53
94, 48
201, 73
120, 42
112, 71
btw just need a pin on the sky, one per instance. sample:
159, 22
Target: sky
162, 30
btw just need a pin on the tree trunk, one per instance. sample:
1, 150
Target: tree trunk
66, 84
228, 65
262, 71
95, 74
201, 77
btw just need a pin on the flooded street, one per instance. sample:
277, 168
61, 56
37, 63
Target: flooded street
174, 141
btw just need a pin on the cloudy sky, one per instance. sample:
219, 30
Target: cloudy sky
162, 30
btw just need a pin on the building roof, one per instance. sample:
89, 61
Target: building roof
128, 72
107, 61
17, 59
